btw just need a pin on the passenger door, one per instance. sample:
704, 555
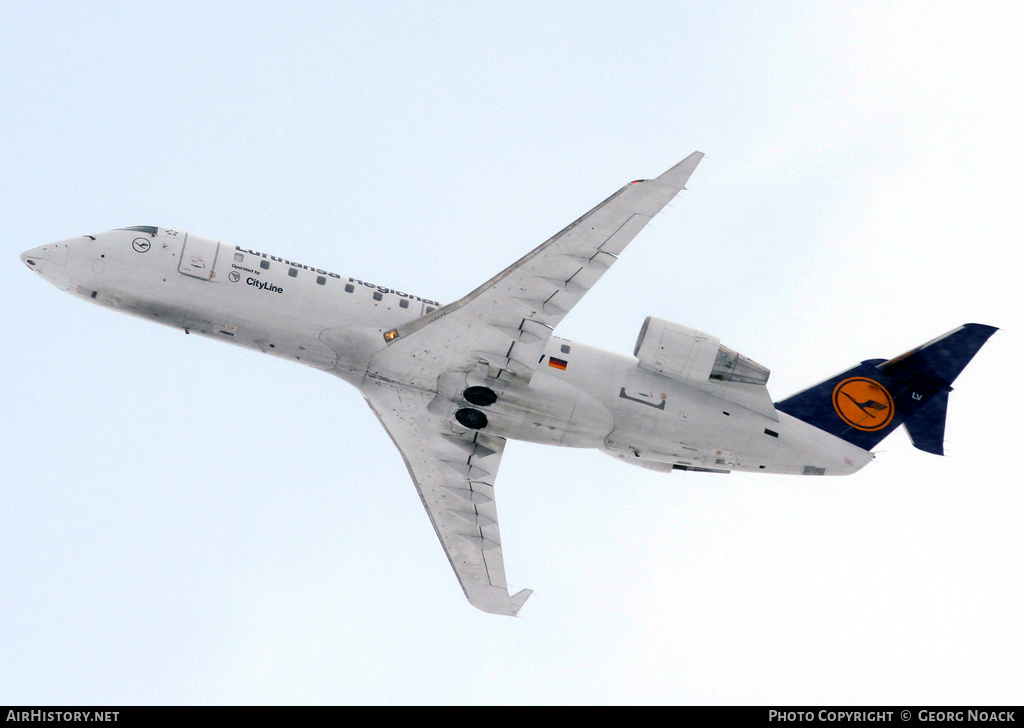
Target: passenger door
199, 257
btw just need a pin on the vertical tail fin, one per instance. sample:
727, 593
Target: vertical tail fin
866, 403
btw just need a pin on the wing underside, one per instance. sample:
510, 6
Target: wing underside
498, 331
454, 473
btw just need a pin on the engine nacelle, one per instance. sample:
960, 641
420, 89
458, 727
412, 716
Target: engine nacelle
548, 411
689, 355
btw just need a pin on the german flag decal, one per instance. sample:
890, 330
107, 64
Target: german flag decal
557, 363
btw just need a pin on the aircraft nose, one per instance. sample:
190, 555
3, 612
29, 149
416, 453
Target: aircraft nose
52, 257
34, 258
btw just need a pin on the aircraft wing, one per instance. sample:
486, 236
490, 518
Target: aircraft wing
454, 474
507, 321
499, 330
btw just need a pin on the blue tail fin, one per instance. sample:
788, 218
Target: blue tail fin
864, 404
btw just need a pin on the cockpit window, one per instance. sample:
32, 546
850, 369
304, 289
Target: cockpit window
142, 229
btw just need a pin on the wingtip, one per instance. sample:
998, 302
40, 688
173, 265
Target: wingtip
679, 175
495, 600
519, 599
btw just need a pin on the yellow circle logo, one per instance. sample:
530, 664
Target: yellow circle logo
863, 403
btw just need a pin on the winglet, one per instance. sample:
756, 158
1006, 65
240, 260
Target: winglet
518, 600
679, 175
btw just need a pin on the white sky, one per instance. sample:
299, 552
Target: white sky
186, 522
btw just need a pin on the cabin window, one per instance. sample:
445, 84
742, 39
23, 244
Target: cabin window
320, 280
264, 264
293, 272
238, 257
565, 348
430, 309
378, 296
404, 303
349, 288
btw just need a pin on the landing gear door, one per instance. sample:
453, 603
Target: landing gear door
199, 257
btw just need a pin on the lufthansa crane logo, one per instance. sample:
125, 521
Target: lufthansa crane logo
863, 403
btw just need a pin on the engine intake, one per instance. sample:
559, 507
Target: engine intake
480, 396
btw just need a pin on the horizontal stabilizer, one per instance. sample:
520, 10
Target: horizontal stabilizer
938, 362
928, 425
941, 360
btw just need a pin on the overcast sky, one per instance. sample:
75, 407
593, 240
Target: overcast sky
182, 521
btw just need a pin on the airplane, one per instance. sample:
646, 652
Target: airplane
452, 384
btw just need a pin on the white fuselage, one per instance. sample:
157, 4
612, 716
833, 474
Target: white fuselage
596, 399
